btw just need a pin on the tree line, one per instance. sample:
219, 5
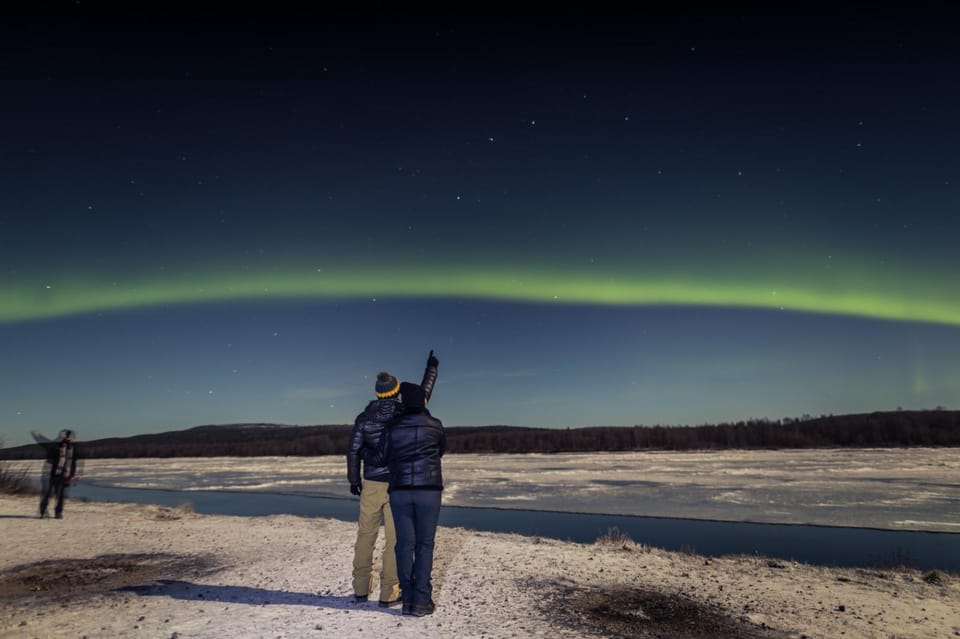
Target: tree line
879, 429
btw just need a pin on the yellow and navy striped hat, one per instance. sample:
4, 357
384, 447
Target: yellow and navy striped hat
387, 385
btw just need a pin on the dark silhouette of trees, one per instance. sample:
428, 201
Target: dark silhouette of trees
880, 429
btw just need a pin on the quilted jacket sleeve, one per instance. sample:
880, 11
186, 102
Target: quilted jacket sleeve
353, 451
429, 379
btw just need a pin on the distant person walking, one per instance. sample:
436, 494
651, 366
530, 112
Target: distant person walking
60, 471
412, 447
372, 488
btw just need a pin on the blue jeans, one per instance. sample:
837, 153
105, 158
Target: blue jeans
415, 516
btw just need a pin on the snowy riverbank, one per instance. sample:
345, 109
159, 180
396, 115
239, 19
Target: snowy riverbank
129, 570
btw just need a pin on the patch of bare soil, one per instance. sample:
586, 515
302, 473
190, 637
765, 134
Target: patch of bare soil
646, 614
70, 577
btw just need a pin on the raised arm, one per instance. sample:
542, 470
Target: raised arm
429, 375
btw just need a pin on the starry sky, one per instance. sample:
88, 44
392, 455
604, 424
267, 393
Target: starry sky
678, 217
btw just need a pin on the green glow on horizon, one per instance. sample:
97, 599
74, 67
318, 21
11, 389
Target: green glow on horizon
886, 298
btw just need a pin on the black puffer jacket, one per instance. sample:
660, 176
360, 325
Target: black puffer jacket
368, 426
367, 429
412, 446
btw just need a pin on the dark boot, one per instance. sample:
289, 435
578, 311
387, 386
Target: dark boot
424, 610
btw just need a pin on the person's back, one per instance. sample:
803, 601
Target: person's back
416, 443
369, 425
367, 430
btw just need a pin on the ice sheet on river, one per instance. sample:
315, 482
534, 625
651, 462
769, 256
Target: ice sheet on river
902, 489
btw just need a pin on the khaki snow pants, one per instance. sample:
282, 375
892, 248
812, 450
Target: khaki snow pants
374, 510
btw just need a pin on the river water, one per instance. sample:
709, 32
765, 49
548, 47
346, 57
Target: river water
824, 545
864, 507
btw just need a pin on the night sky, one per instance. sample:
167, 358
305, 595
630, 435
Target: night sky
671, 218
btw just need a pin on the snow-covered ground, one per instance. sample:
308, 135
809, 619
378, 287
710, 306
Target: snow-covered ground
899, 489
129, 570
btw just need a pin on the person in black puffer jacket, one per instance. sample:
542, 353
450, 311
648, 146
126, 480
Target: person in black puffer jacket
412, 446
372, 488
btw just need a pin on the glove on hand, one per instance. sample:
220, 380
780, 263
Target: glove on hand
431, 360
356, 489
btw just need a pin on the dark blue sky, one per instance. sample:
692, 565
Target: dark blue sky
669, 217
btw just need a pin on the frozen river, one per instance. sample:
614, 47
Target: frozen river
895, 489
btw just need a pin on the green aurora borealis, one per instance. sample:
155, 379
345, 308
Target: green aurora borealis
666, 219
875, 292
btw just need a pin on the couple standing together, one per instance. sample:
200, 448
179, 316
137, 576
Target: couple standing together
400, 445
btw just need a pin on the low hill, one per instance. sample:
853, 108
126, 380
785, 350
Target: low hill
879, 429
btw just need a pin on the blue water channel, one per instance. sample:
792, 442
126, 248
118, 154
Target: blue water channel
823, 545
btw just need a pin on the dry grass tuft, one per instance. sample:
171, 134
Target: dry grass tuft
613, 537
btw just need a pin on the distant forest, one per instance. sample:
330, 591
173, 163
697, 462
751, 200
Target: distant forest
881, 429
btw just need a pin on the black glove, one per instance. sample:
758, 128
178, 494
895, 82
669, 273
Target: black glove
431, 360
356, 489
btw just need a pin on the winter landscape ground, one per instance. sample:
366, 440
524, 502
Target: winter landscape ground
133, 570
